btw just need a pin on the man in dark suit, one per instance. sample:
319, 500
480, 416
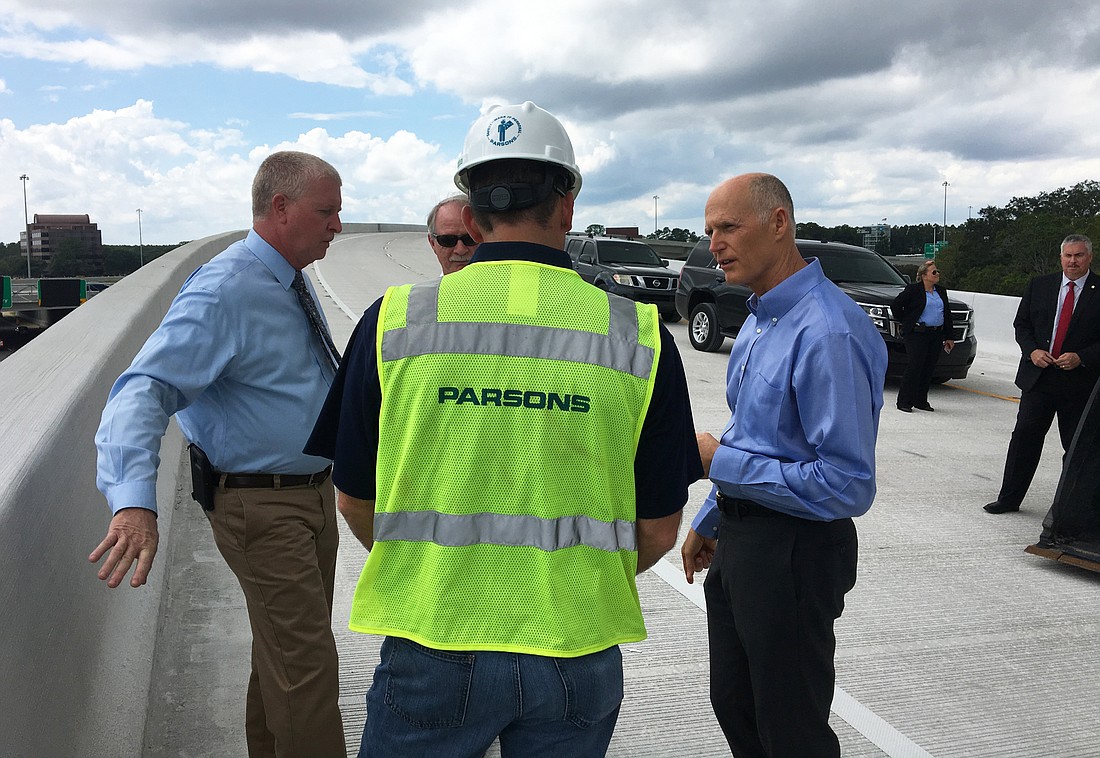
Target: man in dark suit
1058, 330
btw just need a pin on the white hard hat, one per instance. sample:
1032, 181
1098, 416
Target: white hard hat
526, 132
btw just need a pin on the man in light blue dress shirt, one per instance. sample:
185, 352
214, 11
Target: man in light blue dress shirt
238, 362
795, 463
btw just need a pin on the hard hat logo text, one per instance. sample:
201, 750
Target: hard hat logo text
499, 129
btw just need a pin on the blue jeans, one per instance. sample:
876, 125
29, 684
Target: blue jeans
426, 702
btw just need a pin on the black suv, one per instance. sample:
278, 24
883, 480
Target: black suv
628, 268
715, 310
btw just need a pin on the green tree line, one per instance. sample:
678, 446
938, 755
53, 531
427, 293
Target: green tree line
1001, 249
73, 259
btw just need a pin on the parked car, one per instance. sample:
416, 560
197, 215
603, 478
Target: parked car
716, 310
626, 267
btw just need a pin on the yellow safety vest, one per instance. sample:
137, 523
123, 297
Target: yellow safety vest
513, 397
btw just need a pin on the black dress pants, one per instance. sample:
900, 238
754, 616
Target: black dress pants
773, 592
923, 350
1055, 394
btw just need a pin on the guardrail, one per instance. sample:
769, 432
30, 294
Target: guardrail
24, 291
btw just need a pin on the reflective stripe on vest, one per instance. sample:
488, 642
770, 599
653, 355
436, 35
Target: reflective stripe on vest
423, 335
452, 530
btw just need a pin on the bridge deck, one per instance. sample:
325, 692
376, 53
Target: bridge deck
954, 641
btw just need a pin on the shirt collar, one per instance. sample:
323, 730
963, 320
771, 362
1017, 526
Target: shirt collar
1077, 282
782, 297
279, 266
521, 251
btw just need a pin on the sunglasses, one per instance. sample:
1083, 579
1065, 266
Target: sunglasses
450, 240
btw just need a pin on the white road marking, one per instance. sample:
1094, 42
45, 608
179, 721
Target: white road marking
883, 736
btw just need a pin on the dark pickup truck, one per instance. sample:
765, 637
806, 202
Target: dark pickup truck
715, 310
628, 268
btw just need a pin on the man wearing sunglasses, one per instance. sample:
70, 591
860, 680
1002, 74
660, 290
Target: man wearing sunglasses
452, 244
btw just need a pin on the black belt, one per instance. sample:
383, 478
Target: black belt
271, 481
735, 506
919, 327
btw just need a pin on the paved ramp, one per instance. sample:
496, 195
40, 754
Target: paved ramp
954, 641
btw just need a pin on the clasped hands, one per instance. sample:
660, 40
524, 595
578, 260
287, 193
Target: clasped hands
1043, 359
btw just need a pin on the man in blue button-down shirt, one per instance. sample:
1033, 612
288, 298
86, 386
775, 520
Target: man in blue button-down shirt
239, 364
794, 464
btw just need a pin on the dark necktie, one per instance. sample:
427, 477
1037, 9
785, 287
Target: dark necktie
315, 320
1063, 323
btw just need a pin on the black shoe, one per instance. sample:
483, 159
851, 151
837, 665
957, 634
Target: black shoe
998, 507
924, 407
905, 408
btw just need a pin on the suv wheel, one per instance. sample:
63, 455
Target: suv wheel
703, 328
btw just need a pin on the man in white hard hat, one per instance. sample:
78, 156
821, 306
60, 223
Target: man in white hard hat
514, 446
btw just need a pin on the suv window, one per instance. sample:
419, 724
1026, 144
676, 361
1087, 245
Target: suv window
627, 252
847, 264
853, 266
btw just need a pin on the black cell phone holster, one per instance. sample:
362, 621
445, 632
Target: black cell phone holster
203, 478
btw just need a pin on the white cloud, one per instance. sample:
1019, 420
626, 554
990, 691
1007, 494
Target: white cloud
340, 116
309, 57
190, 182
863, 111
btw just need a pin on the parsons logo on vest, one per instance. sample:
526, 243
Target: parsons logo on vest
511, 398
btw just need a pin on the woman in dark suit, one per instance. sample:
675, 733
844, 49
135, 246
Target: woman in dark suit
926, 328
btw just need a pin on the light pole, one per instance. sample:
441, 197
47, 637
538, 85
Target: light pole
945, 211
141, 247
655, 198
26, 223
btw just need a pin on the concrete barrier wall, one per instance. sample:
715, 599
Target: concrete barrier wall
76, 657
993, 316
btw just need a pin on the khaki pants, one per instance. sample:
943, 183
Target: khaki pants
281, 544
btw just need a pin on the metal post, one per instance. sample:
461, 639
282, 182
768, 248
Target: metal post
26, 223
141, 247
655, 215
945, 211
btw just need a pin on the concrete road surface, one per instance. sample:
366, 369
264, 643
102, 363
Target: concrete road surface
954, 642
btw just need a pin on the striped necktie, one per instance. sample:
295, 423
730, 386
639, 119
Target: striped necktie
314, 316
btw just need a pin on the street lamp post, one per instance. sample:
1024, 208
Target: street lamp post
655, 198
26, 223
945, 185
141, 247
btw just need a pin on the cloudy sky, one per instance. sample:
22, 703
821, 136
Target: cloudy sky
863, 108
